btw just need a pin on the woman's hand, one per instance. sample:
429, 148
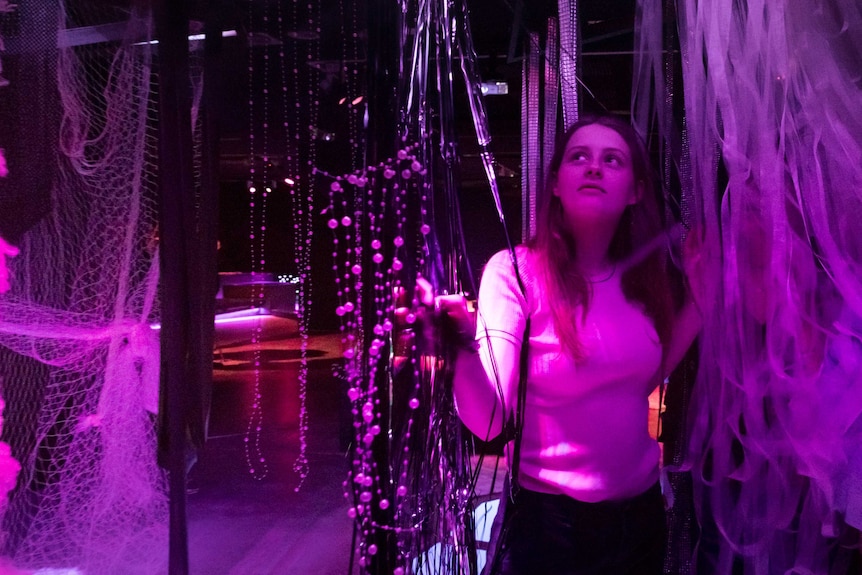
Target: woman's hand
457, 324
436, 321
698, 260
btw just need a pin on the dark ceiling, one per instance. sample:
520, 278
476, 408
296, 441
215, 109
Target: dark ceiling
498, 30
338, 69
267, 28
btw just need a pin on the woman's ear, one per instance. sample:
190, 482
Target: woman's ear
554, 185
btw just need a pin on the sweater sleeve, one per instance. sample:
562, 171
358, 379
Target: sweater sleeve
486, 383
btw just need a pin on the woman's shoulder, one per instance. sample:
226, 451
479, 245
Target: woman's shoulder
500, 266
523, 254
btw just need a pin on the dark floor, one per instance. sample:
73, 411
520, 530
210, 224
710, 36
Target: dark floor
242, 526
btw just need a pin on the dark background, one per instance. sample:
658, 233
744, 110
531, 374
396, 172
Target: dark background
498, 33
498, 29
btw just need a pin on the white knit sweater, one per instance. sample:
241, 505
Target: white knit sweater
585, 432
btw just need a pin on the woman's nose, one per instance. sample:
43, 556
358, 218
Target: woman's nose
594, 168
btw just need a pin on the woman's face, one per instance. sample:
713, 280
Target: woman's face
595, 181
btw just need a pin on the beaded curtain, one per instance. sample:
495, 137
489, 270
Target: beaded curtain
283, 110
411, 482
772, 130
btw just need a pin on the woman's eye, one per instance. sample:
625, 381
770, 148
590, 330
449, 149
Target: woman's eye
613, 160
579, 156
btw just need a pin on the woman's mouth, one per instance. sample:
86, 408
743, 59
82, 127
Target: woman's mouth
592, 189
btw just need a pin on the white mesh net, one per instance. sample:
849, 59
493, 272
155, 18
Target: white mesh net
80, 363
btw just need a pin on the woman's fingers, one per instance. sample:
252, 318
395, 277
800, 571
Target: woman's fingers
454, 307
701, 265
431, 317
424, 292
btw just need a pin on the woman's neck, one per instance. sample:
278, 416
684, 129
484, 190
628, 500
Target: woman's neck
592, 245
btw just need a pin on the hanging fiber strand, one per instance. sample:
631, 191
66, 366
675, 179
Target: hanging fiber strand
772, 90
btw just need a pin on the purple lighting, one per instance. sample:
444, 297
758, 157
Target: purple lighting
233, 317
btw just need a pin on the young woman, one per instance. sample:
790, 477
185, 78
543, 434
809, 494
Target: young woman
602, 334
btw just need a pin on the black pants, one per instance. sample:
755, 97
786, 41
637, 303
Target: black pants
541, 534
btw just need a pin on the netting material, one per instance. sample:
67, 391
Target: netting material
774, 87
80, 364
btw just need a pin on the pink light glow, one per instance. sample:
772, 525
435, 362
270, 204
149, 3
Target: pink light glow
255, 313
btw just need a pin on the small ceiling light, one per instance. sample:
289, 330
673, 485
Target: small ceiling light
319, 134
304, 34
193, 37
494, 88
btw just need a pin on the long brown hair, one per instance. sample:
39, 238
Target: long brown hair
554, 249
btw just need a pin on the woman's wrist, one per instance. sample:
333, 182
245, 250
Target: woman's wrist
466, 343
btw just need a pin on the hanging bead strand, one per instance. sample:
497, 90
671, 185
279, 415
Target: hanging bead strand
257, 464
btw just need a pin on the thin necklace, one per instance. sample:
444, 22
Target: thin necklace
604, 279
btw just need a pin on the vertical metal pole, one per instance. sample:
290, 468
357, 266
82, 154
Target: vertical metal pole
204, 271
176, 197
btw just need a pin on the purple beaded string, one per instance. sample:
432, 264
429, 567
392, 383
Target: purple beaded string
360, 203
257, 465
304, 231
